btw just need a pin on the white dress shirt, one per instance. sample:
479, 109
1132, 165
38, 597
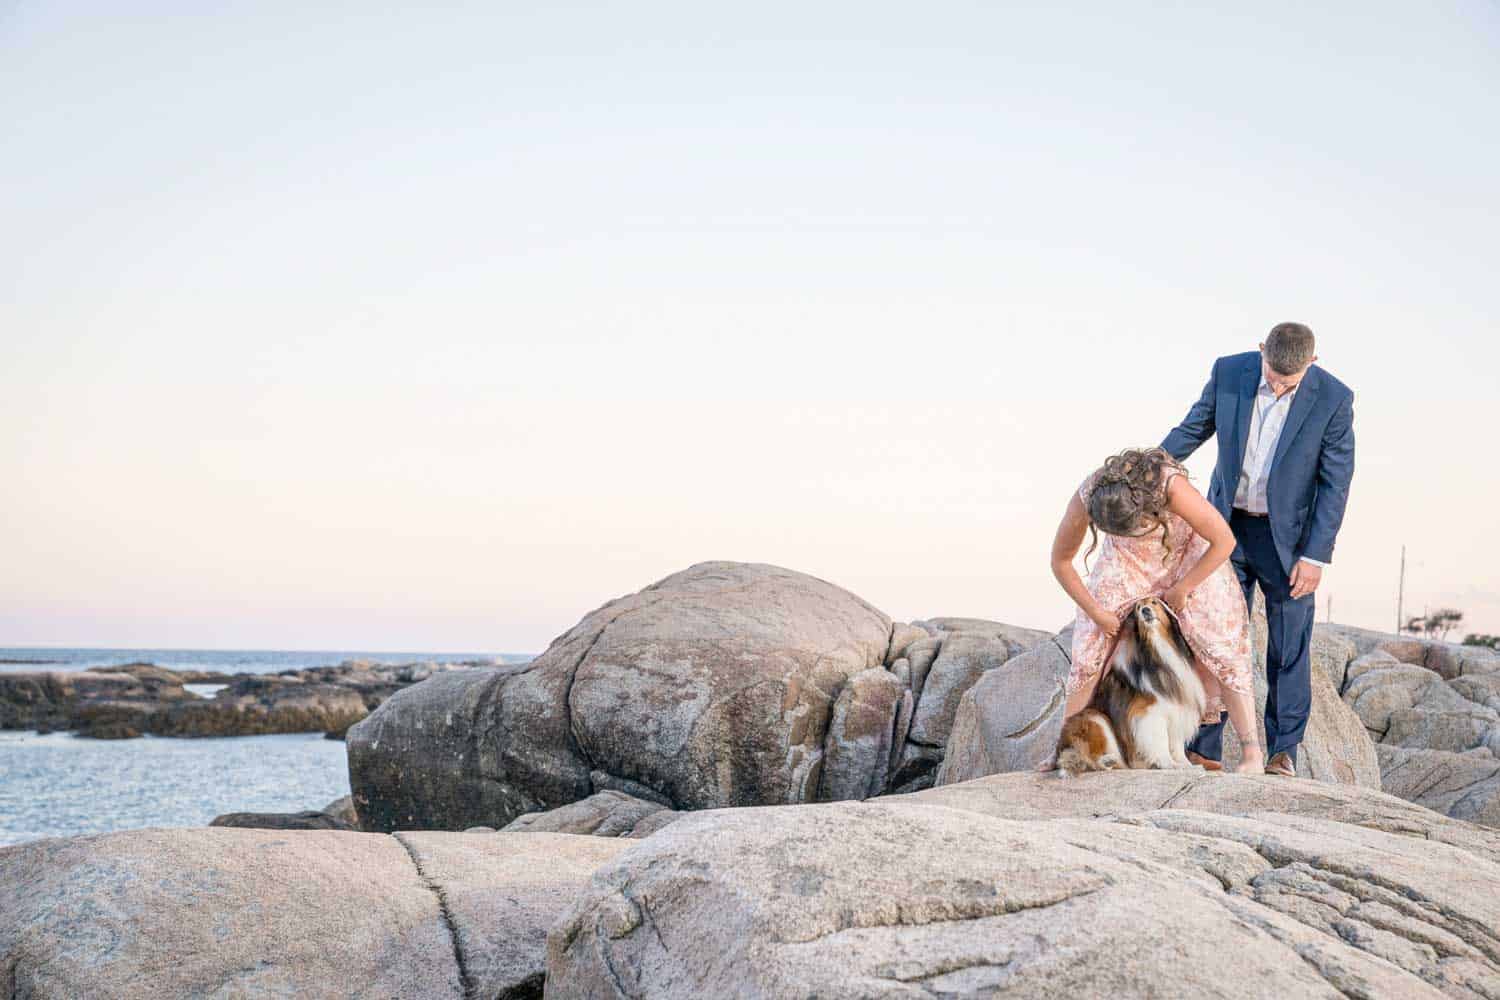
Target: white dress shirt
1266, 422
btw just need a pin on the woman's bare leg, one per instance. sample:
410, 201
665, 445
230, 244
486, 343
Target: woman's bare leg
1242, 716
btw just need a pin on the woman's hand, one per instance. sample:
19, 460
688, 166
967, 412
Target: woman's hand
1176, 597
1108, 622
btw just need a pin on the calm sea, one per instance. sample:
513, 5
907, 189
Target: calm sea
59, 785
232, 661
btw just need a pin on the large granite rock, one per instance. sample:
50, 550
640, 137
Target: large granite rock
1010, 719
603, 814
724, 684
1462, 785
1335, 746
719, 685
258, 913
1188, 885
306, 820
1434, 710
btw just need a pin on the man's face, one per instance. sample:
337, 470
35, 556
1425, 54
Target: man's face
1279, 383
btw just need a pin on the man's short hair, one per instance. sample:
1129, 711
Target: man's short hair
1289, 348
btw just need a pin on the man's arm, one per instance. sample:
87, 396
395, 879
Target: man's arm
1335, 470
1198, 426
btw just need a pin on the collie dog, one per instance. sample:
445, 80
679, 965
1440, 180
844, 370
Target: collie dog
1147, 704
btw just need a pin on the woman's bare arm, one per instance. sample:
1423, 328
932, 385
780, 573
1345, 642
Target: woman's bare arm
1069, 539
1187, 503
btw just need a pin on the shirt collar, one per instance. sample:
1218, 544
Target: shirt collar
1266, 390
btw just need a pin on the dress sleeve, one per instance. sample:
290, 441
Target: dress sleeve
1172, 472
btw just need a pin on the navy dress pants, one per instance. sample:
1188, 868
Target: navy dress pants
1289, 650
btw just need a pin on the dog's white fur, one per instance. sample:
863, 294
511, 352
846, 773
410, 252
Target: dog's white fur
1161, 732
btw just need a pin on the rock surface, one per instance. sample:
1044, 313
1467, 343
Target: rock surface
726, 684
714, 686
1462, 785
306, 820
258, 913
1010, 719
1434, 710
140, 698
603, 814
1013, 885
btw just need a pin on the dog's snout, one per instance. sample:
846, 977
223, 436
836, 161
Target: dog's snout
1147, 615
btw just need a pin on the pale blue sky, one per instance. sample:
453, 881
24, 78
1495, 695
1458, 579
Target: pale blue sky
436, 327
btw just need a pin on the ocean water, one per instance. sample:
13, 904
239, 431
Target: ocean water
231, 661
59, 785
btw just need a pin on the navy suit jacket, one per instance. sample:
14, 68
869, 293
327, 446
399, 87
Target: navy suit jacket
1313, 463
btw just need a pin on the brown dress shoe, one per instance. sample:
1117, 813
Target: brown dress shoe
1281, 763
1204, 762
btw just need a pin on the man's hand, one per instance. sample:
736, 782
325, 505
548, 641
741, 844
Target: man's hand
1305, 578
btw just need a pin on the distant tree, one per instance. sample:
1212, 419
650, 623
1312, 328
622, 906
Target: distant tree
1442, 621
1437, 624
1480, 639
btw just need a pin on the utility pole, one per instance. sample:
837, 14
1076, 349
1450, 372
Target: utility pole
1401, 591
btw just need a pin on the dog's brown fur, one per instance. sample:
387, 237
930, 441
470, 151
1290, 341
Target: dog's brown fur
1139, 682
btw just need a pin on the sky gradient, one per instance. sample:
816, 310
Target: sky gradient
437, 327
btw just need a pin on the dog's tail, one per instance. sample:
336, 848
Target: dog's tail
1088, 743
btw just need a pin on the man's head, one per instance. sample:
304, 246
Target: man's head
1286, 355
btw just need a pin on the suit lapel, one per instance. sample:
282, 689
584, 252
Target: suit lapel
1249, 384
1302, 403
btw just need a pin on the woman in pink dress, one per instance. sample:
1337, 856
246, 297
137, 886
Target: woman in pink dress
1161, 538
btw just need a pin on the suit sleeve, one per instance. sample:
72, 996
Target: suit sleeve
1198, 426
1335, 470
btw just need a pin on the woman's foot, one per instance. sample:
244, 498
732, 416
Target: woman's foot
1252, 759
1050, 764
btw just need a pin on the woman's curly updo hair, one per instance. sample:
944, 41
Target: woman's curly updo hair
1128, 496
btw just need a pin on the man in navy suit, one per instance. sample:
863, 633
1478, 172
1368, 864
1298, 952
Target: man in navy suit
1286, 456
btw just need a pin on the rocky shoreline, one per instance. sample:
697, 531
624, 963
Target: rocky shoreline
141, 698
745, 781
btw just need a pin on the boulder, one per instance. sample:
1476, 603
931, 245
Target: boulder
1335, 746
260, 913
957, 655
603, 814
307, 820
342, 809
1462, 785
1434, 710
103, 703
1010, 719
259, 704
715, 686
1286, 888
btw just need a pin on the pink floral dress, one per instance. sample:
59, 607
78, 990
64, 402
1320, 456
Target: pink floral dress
1214, 620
